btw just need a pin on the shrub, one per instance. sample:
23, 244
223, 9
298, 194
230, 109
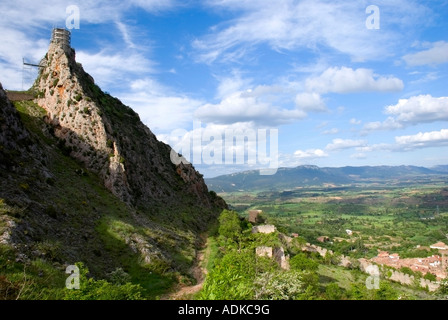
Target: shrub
429, 276
109, 143
51, 211
282, 285
24, 186
91, 289
229, 224
333, 292
302, 262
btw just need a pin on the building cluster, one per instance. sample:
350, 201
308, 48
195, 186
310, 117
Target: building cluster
435, 264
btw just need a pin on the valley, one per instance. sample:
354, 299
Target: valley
363, 222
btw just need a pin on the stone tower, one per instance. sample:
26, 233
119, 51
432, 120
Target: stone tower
62, 37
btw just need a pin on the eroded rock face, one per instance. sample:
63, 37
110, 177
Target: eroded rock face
15, 142
109, 138
76, 118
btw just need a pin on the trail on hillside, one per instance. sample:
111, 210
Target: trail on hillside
197, 271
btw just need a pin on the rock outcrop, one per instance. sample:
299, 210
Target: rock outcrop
110, 140
82, 179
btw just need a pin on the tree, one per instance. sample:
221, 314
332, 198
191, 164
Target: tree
443, 288
91, 289
429, 276
386, 292
333, 292
302, 262
232, 278
280, 285
229, 224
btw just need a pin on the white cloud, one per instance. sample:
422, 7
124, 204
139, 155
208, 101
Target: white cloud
331, 131
302, 25
420, 109
412, 111
355, 121
346, 80
423, 140
310, 154
107, 66
310, 102
153, 102
242, 154
389, 124
341, 144
127, 38
359, 156
246, 107
234, 83
26, 29
437, 54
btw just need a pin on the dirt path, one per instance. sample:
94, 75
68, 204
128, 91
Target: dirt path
198, 273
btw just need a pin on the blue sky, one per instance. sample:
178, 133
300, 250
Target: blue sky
338, 92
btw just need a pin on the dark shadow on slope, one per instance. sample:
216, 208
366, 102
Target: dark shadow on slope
63, 219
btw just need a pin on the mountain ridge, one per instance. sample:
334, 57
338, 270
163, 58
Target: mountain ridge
82, 179
310, 175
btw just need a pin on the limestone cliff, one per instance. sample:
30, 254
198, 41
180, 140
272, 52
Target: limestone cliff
109, 138
82, 179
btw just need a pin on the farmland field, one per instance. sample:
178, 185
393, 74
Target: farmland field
402, 219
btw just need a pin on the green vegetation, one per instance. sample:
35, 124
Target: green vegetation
240, 274
229, 224
38, 280
152, 250
91, 289
403, 220
394, 219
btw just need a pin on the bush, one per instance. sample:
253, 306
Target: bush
333, 292
282, 285
302, 262
429, 276
91, 289
229, 224
232, 278
119, 277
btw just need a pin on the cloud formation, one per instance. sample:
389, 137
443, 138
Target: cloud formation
310, 102
347, 80
304, 25
247, 107
423, 140
341, 144
436, 54
412, 111
310, 154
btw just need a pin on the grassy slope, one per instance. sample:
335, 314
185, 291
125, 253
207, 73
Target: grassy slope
80, 204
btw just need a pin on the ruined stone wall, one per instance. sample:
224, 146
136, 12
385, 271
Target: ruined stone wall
267, 228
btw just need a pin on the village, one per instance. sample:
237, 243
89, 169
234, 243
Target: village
435, 264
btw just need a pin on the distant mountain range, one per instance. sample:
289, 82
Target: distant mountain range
308, 175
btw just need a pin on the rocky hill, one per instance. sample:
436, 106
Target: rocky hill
313, 176
83, 179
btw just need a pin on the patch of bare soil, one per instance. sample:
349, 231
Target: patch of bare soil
18, 96
198, 272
